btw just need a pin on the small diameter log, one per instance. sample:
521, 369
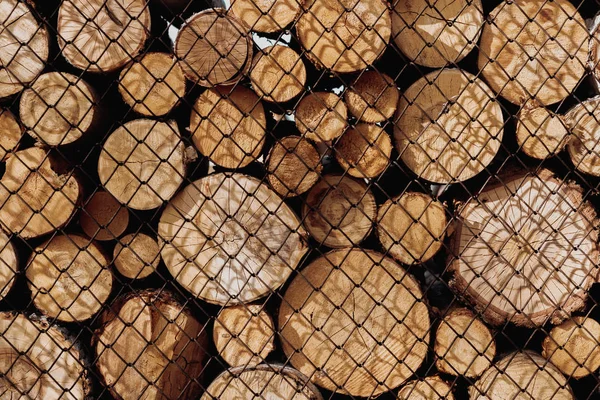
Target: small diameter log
411, 227
11, 133
230, 239
38, 361
136, 255
278, 74
103, 218
525, 251
143, 163
430, 388
266, 15
9, 265
584, 145
151, 347
228, 126
58, 109
25, 46
436, 33
344, 36
534, 49
364, 150
269, 381
339, 211
102, 35
244, 335
69, 278
321, 116
364, 304
34, 199
152, 85
293, 166
373, 97
449, 126
574, 347
522, 375
463, 344
214, 48
540, 132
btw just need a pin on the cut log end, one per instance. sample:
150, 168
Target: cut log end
25, 47
540, 132
102, 36
214, 48
136, 256
321, 116
244, 335
584, 146
278, 74
412, 227
153, 85
373, 97
294, 166
339, 211
143, 163
365, 303
69, 278
11, 133
364, 151
228, 126
9, 265
429, 388
267, 15
150, 346
58, 109
34, 199
463, 344
103, 218
574, 347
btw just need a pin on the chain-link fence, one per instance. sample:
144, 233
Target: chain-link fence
280, 199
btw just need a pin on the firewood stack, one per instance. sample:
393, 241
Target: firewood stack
299, 199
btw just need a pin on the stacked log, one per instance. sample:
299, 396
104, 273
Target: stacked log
540, 132
266, 16
103, 218
373, 97
321, 116
136, 255
585, 129
432, 387
278, 74
364, 150
11, 133
9, 265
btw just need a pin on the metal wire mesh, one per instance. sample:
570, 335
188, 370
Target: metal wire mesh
322, 199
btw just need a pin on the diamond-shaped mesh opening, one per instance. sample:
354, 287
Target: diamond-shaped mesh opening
284, 199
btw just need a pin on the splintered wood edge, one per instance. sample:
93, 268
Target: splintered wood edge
575, 302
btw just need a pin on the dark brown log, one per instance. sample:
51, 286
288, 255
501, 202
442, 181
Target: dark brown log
103, 218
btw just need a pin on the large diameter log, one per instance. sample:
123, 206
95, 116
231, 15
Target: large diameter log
574, 347
228, 238
244, 335
25, 46
339, 211
69, 278
9, 265
214, 48
540, 132
525, 250
228, 126
584, 145
373, 97
430, 388
412, 227
103, 217
436, 33
11, 133
278, 74
152, 85
38, 361
143, 163
355, 323
534, 49
136, 255
321, 116
293, 166
34, 199
464, 345
449, 126
269, 381
267, 15
522, 375
58, 109
364, 150
102, 35
344, 36
150, 347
